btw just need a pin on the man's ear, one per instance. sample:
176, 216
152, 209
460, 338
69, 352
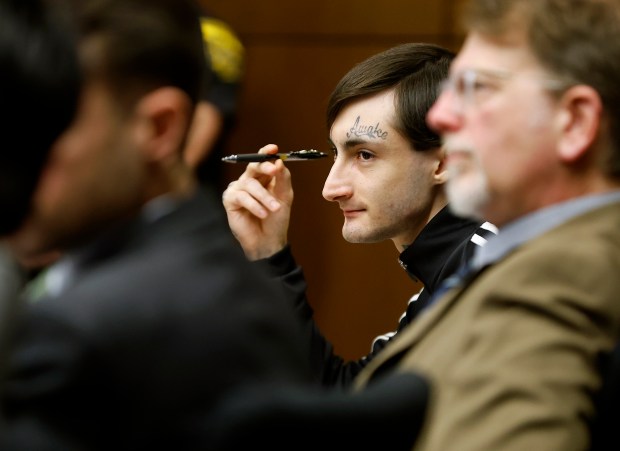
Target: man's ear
164, 116
579, 122
441, 174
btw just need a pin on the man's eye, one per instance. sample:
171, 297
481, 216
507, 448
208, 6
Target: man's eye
476, 89
334, 152
480, 85
364, 155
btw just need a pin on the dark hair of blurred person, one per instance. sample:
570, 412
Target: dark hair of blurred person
39, 85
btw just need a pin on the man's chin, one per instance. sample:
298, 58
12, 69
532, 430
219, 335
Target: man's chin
359, 237
353, 239
353, 236
466, 200
465, 210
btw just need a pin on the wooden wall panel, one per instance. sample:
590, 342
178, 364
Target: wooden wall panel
333, 17
296, 52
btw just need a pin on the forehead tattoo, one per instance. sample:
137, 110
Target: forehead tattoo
370, 131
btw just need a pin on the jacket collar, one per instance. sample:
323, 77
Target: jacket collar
428, 258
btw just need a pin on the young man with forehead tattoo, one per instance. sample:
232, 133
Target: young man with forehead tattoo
388, 179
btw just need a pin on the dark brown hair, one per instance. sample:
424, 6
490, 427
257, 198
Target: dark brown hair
39, 89
415, 71
138, 45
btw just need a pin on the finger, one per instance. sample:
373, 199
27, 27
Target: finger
262, 171
269, 148
261, 193
282, 183
249, 194
242, 201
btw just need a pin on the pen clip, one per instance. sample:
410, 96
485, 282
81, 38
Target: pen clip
305, 155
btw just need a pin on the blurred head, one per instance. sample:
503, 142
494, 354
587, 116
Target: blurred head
39, 85
387, 175
136, 46
142, 62
530, 113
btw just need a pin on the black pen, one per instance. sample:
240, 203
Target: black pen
298, 155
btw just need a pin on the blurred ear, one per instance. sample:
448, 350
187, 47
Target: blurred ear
579, 122
441, 174
164, 116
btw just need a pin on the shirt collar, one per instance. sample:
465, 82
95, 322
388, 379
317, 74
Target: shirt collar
535, 224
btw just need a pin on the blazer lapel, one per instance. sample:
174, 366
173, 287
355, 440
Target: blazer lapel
412, 334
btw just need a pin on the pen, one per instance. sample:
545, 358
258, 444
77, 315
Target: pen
298, 155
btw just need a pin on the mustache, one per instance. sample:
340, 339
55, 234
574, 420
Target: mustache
452, 146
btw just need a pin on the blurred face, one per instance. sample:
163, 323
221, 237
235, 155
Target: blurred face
384, 187
93, 177
498, 120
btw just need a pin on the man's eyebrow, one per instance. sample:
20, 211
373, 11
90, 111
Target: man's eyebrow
350, 143
356, 142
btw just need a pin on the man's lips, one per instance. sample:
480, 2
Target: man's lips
350, 213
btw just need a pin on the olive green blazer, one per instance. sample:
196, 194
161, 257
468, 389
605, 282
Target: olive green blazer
512, 356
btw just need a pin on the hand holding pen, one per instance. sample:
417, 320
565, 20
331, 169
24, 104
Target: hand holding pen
258, 206
299, 155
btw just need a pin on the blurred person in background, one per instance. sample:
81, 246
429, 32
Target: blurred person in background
152, 313
39, 92
216, 111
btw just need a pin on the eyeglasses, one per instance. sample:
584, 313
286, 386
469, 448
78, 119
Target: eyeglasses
472, 87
